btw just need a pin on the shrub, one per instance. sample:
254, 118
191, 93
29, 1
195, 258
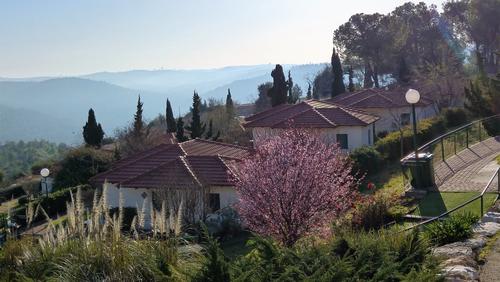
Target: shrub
79, 165
454, 117
390, 146
15, 191
366, 160
455, 228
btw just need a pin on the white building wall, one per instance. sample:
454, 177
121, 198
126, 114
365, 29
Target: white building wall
389, 118
227, 195
357, 135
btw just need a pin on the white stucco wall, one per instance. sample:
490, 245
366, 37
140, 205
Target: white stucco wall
390, 117
357, 135
227, 195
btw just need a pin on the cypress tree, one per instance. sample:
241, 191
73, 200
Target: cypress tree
229, 105
403, 71
309, 91
196, 127
171, 126
209, 133
138, 122
351, 82
290, 99
92, 131
278, 93
179, 133
338, 86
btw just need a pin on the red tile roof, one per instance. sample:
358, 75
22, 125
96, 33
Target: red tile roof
376, 98
310, 114
194, 162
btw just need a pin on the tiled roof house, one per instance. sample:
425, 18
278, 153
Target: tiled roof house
389, 104
194, 164
350, 127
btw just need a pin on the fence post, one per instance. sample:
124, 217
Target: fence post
482, 212
467, 137
442, 148
455, 143
480, 137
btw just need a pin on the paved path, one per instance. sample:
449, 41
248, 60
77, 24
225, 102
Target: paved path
490, 272
470, 169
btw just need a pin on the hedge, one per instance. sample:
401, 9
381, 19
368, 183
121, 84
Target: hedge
427, 129
366, 160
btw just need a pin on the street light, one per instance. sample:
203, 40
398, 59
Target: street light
45, 173
412, 97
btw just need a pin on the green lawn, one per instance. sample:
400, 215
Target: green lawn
437, 203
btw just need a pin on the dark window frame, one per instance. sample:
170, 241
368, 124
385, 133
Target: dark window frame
343, 140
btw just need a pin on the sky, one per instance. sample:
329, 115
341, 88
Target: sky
64, 38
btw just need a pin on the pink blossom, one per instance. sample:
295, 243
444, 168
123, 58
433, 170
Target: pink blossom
294, 185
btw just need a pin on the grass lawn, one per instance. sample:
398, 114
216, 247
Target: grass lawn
390, 177
5, 206
437, 203
236, 246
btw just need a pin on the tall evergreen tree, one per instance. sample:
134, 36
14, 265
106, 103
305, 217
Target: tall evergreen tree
179, 133
263, 101
210, 130
92, 131
338, 86
278, 93
351, 86
289, 84
309, 91
196, 127
138, 129
229, 105
171, 126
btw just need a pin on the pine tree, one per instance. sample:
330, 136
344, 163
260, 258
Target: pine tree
196, 127
171, 126
92, 131
278, 93
229, 105
351, 82
210, 130
309, 91
138, 122
338, 86
179, 133
215, 267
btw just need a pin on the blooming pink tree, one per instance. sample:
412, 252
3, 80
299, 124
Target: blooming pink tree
294, 185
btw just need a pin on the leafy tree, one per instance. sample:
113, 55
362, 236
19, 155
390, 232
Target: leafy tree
179, 134
92, 131
79, 165
322, 84
483, 100
263, 101
278, 93
196, 126
171, 126
309, 91
294, 185
338, 86
229, 105
138, 127
351, 86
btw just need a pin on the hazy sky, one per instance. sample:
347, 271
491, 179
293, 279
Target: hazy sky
61, 37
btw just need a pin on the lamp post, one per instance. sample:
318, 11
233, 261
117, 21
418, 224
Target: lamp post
45, 173
412, 97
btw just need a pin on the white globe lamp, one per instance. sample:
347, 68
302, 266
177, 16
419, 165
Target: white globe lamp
412, 96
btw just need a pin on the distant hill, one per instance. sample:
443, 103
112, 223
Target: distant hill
64, 102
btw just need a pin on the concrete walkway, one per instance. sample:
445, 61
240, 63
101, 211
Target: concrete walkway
470, 169
490, 272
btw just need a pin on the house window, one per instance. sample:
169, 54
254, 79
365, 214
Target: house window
405, 119
342, 140
214, 202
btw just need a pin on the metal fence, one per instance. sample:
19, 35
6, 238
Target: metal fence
492, 186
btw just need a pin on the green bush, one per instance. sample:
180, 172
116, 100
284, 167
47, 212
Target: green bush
455, 228
15, 191
454, 117
366, 160
390, 146
79, 165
